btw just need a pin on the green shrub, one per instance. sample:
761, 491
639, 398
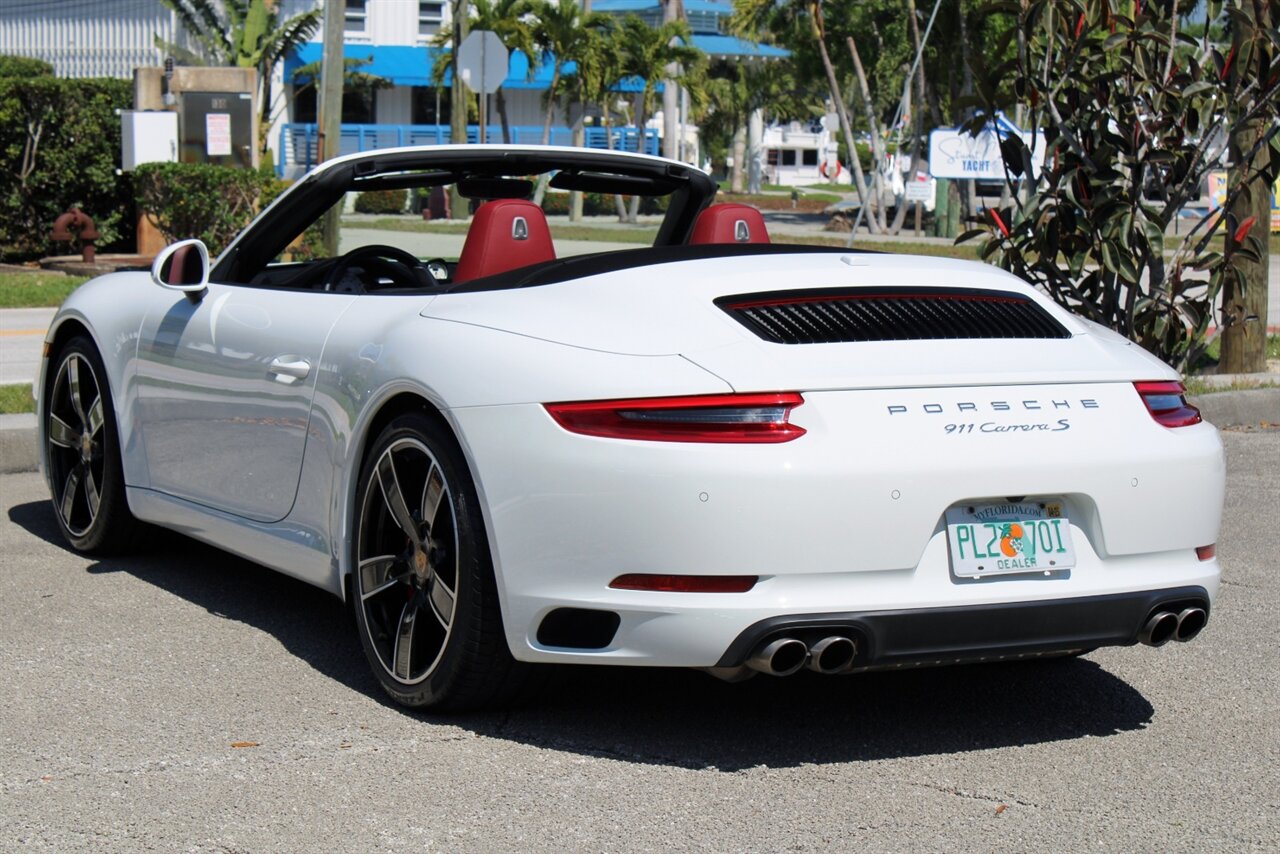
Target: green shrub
599, 204
382, 202
308, 245
24, 66
200, 200
60, 143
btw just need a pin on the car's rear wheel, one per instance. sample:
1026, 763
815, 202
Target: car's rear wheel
423, 587
85, 473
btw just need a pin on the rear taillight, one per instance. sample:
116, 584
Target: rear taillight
731, 418
1167, 403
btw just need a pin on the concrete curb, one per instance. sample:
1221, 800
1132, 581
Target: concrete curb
1250, 407
17, 443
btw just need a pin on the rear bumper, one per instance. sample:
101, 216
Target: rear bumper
976, 632
847, 520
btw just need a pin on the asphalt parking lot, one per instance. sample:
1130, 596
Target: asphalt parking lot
182, 699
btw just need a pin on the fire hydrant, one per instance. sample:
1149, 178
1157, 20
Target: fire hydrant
73, 223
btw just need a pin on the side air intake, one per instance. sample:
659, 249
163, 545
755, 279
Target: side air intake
835, 315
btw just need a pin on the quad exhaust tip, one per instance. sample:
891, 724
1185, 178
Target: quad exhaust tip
1160, 629
834, 654
785, 656
1163, 626
1190, 622
781, 657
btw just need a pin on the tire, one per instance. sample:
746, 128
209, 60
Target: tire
422, 587
83, 451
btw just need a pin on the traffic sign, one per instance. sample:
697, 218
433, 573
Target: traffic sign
482, 61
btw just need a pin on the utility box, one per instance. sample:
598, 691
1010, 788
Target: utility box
217, 127
147, 136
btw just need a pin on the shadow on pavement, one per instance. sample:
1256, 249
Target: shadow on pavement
309, 622
674, 717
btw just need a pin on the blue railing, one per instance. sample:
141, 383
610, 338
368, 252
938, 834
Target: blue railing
299, 141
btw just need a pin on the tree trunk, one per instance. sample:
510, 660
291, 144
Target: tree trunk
551, 104
917, 114
579, 141
859, 181
670, 91
458, 205
873, 125
633, 214
1244, 309
501, 104
739, 156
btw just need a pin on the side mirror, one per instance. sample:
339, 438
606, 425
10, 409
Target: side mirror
183, 266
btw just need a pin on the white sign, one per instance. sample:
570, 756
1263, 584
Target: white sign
217, 134
482, 61
919, 191
956, 154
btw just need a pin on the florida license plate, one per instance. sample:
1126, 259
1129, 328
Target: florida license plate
1000, 539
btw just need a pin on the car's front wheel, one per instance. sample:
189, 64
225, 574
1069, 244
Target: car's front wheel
83, 453
424, 593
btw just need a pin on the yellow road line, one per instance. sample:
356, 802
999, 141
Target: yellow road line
14, 333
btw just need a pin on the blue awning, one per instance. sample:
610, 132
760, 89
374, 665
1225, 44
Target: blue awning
412, 65
723, 7
734, 46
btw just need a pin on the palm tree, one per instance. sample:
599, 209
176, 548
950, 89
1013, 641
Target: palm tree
736, 89
243, 33
562, 33
758, 18
647, 53
510, 19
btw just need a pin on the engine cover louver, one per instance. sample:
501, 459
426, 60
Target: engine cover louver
834, 315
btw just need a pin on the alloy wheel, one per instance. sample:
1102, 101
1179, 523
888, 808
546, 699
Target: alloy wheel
406, 578
76, 443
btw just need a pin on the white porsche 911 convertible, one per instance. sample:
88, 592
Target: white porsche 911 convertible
714, 452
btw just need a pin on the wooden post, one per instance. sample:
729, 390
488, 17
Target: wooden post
918, 206
332, 71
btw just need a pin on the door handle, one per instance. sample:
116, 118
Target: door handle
288, 369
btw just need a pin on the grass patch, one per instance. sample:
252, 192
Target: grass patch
1197, 386
36, 290
1214, 351
16, 398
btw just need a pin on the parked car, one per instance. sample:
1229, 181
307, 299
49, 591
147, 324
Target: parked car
714, 452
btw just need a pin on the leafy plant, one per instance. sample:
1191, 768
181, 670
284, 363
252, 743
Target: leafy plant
1134, 114
24, 66
381, 202
60, 142
200, 200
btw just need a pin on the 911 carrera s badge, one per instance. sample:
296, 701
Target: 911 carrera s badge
1001, 539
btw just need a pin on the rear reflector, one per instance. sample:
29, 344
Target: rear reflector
732, 418
685, 583
1207, 552
1167, 403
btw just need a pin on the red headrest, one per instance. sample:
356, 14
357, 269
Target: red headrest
505, 234
730, 223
